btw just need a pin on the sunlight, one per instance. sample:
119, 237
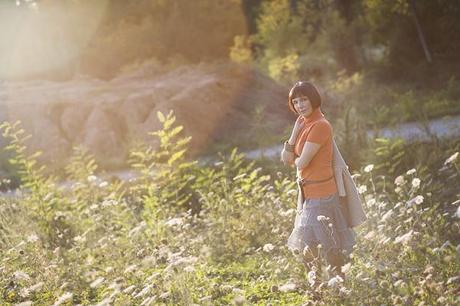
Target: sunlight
40, 38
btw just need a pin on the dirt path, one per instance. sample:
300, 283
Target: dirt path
410, 132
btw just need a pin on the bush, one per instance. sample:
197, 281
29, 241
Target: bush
142, 242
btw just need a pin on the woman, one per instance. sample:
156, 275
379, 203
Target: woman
321, 228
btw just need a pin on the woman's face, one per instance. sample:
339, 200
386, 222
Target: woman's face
303, 106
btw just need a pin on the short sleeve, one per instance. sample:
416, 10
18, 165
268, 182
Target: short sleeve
320, 133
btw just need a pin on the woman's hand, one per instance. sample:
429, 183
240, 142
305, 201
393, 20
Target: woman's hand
287, 157
298, 126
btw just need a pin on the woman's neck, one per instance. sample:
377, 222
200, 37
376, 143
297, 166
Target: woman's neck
315, 115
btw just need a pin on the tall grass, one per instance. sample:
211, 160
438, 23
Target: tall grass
184, 233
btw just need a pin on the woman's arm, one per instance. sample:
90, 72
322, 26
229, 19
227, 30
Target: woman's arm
298, 126
318, 135
308, 152
288, 157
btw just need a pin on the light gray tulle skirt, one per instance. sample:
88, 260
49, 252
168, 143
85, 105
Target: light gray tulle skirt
322, 221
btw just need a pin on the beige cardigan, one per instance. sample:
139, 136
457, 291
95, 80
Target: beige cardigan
346, 188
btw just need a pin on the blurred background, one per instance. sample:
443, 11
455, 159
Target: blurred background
200, 223
95, 73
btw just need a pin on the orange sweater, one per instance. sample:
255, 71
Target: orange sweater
318, 130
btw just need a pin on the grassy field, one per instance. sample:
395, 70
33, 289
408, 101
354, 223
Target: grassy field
185, 234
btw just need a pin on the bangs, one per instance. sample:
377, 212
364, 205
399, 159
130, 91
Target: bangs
298, 91
304, 89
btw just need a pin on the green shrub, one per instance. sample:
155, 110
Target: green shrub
140, 242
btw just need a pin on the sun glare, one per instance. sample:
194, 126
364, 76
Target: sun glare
36, 38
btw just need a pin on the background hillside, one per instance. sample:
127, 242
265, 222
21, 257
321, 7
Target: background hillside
74, 71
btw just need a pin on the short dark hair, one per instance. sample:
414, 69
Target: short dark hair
303, 88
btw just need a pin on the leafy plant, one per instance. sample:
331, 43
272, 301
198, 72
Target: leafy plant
165, 175
40, 193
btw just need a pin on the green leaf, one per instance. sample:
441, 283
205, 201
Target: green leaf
176, 156
176, 130
161, 117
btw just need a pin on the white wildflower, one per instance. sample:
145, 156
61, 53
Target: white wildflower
238, 291
206, 299
371, 202
227, 289
398, 189
181, 261
416, 200
174, 222
335, 281
92, 178
369, 235
288, 212
32, 238
137, 229
24, 292
411, 171
26, 303
66, 296
148, 301
239, 176
36, 287
79, 239
457, 213
404, 239
129, 289
289, 287
21, 276
452, 279
268, 247
143, 291
96, 283
400, 180
369, 168
109, 202
387, 215
451, 159
441, 300
399, 283
239, 300
130, 268
105, 302
345, 268
311, 277
362, 189
419, 199
344, 290
445, 245
321, 218
103, 184
416, 182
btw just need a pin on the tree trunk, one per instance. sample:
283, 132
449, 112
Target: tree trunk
421, 36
